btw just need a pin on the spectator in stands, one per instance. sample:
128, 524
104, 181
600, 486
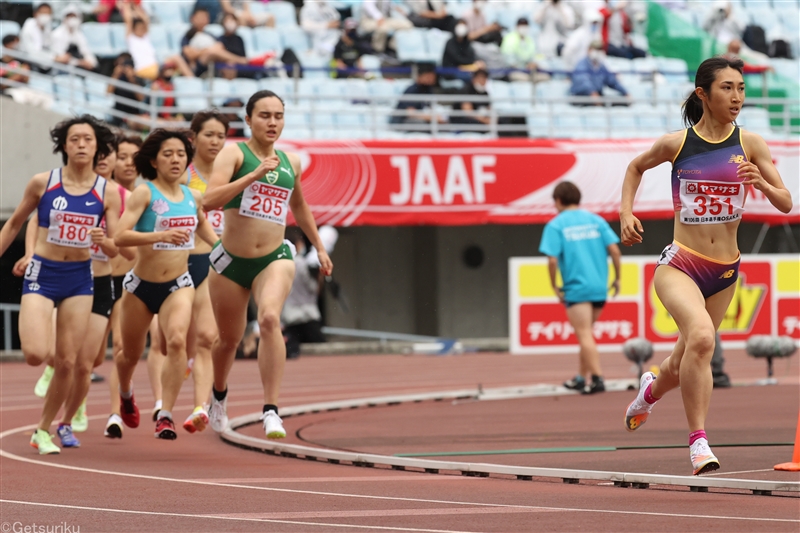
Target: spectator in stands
430, 14
69, 43
458, 51
321, 20
579, 40
474, 111
234, 118
200, 48
480, 30
557, 20
722, 23
7, 73
734, 48
417, 112
381, 19
163, 83
212, 7
233, 43
241, 10
591, 76
616, 31
36, 35
145, 61
348, 51
125, 99
518, 47
111, 10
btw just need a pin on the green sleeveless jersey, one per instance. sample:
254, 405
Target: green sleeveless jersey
275, 185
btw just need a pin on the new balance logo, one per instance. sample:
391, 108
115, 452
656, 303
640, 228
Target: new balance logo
727, 274
736, 159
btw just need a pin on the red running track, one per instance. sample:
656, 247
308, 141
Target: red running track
198, 483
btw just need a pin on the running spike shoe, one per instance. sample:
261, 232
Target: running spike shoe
577, 383
68, 440
43, 384
639, 410
197, 421
273, 425
43, 441
80, 422
165, 429
113, 427
217, 414
129, 411
703, 460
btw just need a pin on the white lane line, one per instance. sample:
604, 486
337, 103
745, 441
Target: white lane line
228, 518
4, 453
412, 476
739, 472
385, 512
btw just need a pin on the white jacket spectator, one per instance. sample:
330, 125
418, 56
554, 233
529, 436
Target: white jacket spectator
722, 23
556, 20
36, 35
321, 20
377, 19
577, 44
70, 44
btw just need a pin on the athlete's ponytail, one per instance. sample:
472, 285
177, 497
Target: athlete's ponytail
706, 74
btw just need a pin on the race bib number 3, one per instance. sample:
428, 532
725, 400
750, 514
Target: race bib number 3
711, 202
217, 220
71, 229
267, 202
168, 223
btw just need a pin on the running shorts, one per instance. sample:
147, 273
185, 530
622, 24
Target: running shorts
103, 296
198, 268
117, 281
243, 271
710, 275
155, 294
58, 280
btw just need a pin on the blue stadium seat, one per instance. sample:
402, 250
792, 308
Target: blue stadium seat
99, 38
296, 118
755, 119
281, 86
176, 33
284, 13
167, 12
97, 94
160, 39
567, 120
382, 91
638, 91
41, 83
652, 120
322, 119
332, 93
411, 45
69, 88
624, 118
674, 69
307, 88
295, 38
243, 88
436, 41
8, 27
553, 90
247, 37
619, 65
315, 66
190, 94
267, 40
351, 116
214, 29
596, 120
296, 134
220, 90
372, 64
118, 37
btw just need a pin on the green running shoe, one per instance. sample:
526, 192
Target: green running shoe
80, 422
43, 384
42, 441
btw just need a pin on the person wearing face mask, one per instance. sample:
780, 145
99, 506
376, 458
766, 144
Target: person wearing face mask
480, 30
322, 21
69, 43
36, 35
591, 76
518, 47
459, 53
348, 51
430, 14
474, 111
579, 40
557, 20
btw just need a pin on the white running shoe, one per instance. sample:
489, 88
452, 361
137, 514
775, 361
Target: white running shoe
113, 427
639, 410
703, 460
273, 425
218, 414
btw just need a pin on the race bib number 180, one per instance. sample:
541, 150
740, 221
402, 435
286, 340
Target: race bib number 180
711, 202
265, 201
71, 229
168, 223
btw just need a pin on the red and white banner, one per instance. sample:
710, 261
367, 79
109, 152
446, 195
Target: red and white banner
766, 302
390, 183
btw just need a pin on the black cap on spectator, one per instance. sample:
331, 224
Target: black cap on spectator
425, 68
522, 21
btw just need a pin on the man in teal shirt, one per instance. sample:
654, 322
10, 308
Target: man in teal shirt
578, 243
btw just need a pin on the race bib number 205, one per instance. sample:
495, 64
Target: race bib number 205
265, 201
711, 202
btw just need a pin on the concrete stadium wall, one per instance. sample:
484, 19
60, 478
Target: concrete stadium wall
25, 149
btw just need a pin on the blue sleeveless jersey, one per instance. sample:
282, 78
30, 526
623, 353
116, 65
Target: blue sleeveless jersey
70, 218
162, 215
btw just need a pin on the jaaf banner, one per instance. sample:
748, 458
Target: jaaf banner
766, 302
390, 183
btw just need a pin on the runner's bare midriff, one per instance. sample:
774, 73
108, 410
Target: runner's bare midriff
57, 252
717, 241
250, 237
159, 266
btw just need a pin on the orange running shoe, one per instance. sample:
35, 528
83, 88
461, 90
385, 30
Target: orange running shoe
639, 409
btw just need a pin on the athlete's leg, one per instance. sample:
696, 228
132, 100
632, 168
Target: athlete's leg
116, 353
173, 319
580, 316
229, 303
71, 321
270, 289
36, 332
84, 364
202, 336
135, 318
155, 359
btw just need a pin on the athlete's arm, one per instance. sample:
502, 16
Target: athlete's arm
204, 229
304, 217
613, 251
760, 172
111, 204
663, 150
31, 234
125, 251
125, 235
30, 200
552, 269
220, 189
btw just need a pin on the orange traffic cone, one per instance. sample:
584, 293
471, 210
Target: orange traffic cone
794, 466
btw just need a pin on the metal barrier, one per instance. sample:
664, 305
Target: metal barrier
7, 309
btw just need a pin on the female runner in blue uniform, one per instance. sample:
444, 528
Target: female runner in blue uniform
256, 185
712, 163
161, 219
71, 201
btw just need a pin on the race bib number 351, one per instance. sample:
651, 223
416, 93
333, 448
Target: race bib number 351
267, 202
71, 229
168, 223
711, 202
